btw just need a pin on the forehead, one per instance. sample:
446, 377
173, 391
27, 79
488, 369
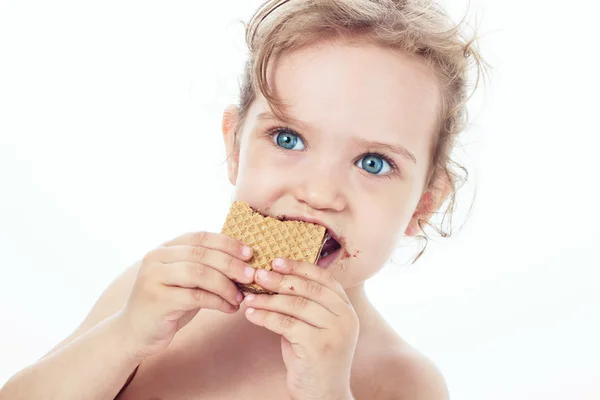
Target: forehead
358, 89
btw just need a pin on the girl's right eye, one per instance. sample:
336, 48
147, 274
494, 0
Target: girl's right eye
288, 139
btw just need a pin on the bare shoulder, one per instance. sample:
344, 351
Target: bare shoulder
398, 372
408, 374
388, 368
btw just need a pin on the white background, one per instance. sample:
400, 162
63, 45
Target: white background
110, 144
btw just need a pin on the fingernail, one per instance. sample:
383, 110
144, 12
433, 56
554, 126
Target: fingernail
250, 310
246, 251
263, 274
240, 297
249, 272
278, 263
250, 297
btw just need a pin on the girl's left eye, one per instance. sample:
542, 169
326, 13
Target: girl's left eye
288, 140
374, 164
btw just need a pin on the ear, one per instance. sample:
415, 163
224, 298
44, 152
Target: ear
430, 203
229, 125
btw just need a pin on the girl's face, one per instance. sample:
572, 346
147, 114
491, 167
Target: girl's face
355, 156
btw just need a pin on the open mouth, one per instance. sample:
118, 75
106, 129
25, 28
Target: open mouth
329, 251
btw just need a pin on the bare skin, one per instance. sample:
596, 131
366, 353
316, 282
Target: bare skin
236, 360
217, 355
176, 314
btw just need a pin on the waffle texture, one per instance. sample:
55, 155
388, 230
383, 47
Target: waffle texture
271, 238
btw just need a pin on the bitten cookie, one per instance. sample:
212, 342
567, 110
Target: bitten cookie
271, 238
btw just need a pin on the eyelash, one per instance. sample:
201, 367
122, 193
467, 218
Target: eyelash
280, 128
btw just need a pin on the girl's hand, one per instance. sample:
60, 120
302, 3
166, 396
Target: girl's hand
176, 280
318, 325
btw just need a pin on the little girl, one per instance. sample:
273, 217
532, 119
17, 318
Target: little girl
348, 114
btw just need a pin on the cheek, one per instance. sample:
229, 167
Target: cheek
380, 235
258, 168
384, 223
374, 246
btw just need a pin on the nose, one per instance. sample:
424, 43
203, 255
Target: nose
321, 190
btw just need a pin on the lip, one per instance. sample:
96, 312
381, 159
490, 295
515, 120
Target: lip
318, 222
330, 259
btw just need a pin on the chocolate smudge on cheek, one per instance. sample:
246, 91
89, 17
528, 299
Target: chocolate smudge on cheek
343, 242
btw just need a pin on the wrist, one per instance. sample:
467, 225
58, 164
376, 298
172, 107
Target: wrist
125, 341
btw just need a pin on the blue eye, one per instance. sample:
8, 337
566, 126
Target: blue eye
374, 164
288, 140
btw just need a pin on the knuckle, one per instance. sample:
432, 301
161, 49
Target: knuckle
197, 270
229, 243
228, 262
285, 321
147, 272
198, 253
313, 287
300, 303
152, 255
198, 238
198, 295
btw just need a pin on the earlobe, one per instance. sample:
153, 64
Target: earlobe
423, 212
229, 125
430, 203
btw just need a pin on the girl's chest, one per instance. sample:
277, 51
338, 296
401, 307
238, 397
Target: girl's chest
180, 376
212, 364
225, 361
154, 383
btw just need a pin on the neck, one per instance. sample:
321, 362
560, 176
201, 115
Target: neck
357, 295
370, 320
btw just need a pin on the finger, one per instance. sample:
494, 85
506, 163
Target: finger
289, 327
228, 265
192, 275
295, 306
310, 272
190, 299
297, 286
215, 241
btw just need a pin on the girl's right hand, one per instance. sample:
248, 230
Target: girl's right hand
176, 280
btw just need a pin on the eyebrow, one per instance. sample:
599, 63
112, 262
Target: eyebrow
268, 116
398, 150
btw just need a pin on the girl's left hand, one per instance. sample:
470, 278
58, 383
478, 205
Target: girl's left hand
318, 325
